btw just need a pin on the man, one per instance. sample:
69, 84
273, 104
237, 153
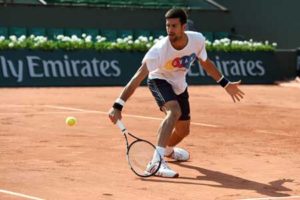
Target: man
166, 65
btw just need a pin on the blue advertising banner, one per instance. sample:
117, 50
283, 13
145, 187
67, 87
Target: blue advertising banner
251, 68
91, 68
70, 68
298, 62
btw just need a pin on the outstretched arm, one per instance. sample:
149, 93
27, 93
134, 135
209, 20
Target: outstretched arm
135, 81
230, 87
115, 112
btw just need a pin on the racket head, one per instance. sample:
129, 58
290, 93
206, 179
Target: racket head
139, 156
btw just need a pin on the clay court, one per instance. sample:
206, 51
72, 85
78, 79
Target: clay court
245, 150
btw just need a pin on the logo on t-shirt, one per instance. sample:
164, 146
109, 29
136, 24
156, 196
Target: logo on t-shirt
180, 63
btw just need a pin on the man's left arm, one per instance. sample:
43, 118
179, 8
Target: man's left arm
231, 87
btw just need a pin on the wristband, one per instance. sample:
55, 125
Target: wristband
119, 103
117, 106
223, 82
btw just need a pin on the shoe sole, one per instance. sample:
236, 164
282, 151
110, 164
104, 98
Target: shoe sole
170, 156
175, 176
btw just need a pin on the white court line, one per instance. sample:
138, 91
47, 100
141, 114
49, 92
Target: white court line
39, 113
16, 105
273, 198
20, 195
128, 115
263, 131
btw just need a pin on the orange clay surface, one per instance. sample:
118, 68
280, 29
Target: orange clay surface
249, 149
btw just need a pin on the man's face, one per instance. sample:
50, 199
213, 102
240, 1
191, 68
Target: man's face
175, 29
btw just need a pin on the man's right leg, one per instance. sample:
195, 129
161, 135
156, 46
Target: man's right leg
166, 100
173, 113
165, 130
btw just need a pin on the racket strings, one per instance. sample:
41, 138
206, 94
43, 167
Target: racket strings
140, 154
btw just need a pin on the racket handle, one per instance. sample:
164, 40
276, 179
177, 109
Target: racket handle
121, 126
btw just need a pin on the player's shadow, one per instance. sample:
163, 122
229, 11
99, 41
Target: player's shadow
222, 180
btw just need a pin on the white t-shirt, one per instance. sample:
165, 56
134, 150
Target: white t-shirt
165, 62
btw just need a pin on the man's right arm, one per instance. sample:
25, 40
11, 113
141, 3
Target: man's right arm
135, 81
115, 112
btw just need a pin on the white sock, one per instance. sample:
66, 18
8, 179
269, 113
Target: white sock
158, 153
169, 150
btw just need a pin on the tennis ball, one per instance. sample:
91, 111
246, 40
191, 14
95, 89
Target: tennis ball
71, 121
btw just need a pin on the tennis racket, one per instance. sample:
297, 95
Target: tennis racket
140, 154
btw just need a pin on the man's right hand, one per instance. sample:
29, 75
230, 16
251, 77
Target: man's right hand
114, 115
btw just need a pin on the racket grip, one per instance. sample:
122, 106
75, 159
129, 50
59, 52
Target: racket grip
121, 126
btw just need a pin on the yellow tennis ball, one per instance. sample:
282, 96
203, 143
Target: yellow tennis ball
71, 121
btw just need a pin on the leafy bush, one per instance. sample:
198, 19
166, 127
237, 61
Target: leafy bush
100, 43
235, 45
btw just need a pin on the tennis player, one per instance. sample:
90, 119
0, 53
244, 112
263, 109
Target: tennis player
166, 65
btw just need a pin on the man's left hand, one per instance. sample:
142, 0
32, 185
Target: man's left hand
233, 90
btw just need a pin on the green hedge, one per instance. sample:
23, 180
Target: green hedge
141, 44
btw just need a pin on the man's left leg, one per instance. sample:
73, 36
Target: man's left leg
181, 130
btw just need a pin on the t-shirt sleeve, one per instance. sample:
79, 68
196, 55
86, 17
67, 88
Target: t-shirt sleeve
202, 53
151, 59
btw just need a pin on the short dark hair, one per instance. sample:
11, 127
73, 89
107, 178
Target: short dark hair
177, 13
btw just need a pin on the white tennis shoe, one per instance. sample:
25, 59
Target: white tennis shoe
179, 154
164, 170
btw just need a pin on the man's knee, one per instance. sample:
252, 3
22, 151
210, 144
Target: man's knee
183, 132
182, 128
173, 109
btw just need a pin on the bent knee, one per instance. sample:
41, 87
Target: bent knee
176, 113
183, 132
182, 128
173, 109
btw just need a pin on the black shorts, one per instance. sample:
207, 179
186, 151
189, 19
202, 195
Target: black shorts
163, 92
